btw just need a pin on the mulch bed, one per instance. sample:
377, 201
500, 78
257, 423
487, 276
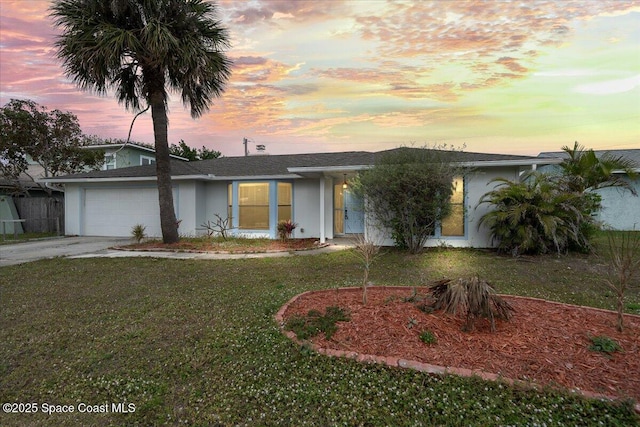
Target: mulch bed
545, 343
265, 246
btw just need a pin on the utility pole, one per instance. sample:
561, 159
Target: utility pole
245, 141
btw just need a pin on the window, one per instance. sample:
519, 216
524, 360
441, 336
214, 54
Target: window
109, 161
145, 160
453, 225
284, 201
338, 209
253, 204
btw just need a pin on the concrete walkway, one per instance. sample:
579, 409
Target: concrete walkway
33, 250
98, 247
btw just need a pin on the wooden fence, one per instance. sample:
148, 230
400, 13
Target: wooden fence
42, 214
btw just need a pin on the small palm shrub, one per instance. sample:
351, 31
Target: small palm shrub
472, 297
139, 232
539, 214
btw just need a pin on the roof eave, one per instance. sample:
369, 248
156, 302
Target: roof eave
63, 180
519, 162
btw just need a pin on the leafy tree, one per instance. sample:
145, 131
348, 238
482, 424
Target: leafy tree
408, 192
52, 139
584, 171
192, 154
142, 49
537, 215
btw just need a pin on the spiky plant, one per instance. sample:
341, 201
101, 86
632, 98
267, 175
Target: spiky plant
472, 297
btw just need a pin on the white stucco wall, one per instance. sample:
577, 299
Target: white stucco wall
306, 202
214, 201
186, 202
72, 210
620, 208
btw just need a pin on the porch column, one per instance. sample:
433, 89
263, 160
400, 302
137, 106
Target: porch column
323, 237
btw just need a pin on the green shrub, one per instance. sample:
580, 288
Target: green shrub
314, 322
604, 344
428, 338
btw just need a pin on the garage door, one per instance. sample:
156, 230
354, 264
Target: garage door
114, 211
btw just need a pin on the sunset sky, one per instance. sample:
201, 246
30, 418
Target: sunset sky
314, 76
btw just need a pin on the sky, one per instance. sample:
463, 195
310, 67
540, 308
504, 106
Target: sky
514, 77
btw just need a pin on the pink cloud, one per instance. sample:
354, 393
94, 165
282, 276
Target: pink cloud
269, 11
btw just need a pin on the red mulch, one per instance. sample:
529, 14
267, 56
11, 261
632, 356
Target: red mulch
263, 246
545, 343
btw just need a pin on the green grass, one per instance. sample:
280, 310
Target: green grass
193, 342
24, 237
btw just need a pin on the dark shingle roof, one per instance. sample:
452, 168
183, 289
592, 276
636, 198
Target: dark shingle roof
274, 165
631, 154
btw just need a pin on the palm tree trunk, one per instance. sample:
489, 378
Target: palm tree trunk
168, 222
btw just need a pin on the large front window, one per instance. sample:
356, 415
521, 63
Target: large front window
253, 205
453, 224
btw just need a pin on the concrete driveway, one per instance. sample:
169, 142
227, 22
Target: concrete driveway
19, 253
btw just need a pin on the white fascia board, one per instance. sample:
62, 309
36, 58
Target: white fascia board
213, 177
318, 169
122, 179
63, 180
498, 163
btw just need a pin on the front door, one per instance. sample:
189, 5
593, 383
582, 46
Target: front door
353, 214
348, 215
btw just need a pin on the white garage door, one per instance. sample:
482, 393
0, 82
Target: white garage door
114, 211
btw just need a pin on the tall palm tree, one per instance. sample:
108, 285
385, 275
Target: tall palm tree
142, 49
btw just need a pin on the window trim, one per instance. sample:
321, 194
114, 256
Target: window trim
151, 160
234, 208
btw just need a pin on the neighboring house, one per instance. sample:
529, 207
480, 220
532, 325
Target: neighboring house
43, 210
118, 156
620, 208
259, 191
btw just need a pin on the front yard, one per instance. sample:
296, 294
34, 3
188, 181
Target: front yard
195, 343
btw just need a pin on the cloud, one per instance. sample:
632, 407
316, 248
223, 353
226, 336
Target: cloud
478, 36
270, 11
260, 69
610, 87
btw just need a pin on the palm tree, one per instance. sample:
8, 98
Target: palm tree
536, 215
142, 48
585, 171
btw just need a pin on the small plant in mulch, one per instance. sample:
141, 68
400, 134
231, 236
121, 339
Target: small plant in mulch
428, 338
139, 232
604, 344
285, 229
314, 322
472, 297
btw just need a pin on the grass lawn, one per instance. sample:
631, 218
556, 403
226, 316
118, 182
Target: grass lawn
24, 237
194, 343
